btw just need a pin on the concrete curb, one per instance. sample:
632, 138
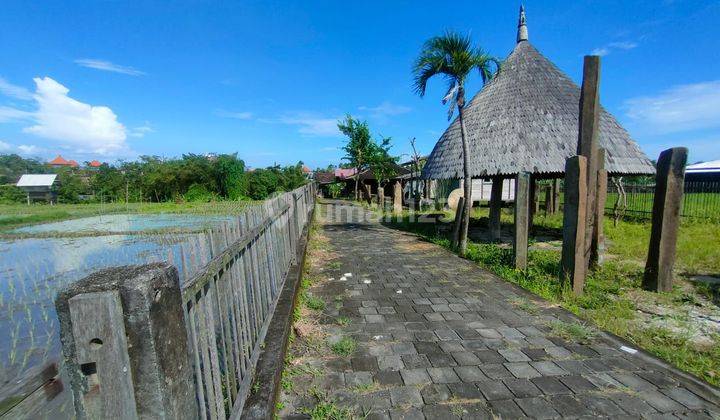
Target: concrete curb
260, 403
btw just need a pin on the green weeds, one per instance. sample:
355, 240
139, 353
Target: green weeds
344, 347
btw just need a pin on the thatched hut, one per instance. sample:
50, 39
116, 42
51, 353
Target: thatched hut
526, 120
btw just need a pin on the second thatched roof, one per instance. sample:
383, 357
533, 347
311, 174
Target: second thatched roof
526, 120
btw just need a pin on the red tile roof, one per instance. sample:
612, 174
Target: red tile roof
59, 160
95, 164
306, 170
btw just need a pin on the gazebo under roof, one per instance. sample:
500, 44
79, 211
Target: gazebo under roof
526, 120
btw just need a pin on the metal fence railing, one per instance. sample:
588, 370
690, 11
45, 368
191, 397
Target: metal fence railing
701, 200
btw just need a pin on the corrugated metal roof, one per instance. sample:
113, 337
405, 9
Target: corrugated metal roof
704, 167
526, 119
36, 180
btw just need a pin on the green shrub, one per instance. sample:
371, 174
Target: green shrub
344, 347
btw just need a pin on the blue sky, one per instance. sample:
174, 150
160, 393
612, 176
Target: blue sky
115, 79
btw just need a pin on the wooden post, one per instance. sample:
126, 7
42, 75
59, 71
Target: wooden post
588, 142
522, 210
573, 266
598, 239
556, 195
397, 197
548, 200
495, 207
125, 344
532, 201
458, 218
669, 186
367, 192
381, 197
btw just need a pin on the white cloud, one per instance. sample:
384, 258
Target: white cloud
14, 91
614, 46
309, 124
141, 131
680, 108
105, 65
235, 115
386, 109
29, 149
8, 114
91, 129
4, 147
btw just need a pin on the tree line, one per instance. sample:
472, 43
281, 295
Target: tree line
191, 177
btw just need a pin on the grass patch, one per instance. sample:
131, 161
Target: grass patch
326, 409
344, 347
315, 303
572, 331
343, 321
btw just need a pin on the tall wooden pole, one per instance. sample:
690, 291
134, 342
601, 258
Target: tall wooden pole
598, 239
556, 195
588, 143
669, 188
573, 263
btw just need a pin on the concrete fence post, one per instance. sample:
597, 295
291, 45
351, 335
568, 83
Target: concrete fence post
572, 262
125, 344
669, 188
522, 216
381, 197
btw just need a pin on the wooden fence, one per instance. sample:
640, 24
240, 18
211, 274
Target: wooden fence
227, 306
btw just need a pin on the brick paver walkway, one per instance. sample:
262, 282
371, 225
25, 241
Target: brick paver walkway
440, 338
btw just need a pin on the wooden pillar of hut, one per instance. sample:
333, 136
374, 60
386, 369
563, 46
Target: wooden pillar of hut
381, 196
522, 215
572, 262
532, 201
495, 207
397, 197
556, 195
548, 200
669, 188
588, 144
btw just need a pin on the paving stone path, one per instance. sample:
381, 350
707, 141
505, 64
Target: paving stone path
440, 338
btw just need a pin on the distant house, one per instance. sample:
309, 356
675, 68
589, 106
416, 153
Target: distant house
705, 171
344, 173
60, 162
39, 187
307, 171
94, 164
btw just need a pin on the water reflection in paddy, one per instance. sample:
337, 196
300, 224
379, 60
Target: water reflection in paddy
32, 270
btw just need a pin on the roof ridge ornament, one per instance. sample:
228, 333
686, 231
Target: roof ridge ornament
522, 33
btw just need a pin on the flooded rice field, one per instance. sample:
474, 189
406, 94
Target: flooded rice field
47, 257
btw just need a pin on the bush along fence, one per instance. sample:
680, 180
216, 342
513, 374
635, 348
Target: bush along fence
139, 344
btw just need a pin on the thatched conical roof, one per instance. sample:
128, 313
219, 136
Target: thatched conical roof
526, 119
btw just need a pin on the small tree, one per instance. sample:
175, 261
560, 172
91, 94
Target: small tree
358, 146
383, 166
453, 57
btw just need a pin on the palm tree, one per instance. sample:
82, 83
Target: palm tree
453, 56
